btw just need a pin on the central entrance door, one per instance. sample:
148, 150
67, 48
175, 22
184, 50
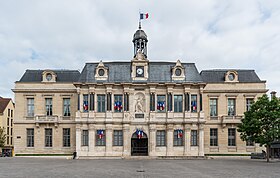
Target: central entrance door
139, 146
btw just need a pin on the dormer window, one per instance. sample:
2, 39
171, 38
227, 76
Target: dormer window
231, 76
101, 72
48, 76
178, 71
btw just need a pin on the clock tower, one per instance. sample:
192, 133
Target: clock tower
140, 61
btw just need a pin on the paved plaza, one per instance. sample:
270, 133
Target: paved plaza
59, 167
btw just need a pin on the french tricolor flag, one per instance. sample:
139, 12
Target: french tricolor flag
144, 16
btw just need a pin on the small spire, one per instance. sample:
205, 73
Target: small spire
139, 24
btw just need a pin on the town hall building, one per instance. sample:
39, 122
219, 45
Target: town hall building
134, 108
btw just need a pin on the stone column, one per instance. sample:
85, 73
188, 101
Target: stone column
201, 140
170, 130
81, 102
78, 141
126, 140
91, 141
187, 140
152, 139
109, 140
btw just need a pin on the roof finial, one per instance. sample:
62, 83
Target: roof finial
139, 24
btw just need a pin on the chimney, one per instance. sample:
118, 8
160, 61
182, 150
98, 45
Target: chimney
273, 94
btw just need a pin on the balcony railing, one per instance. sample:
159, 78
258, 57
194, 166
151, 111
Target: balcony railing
231, 119
46, 119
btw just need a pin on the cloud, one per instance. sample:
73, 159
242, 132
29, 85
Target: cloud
65, 34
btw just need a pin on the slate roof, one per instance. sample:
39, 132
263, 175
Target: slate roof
121, 72
4, 103
62, 75
218, 76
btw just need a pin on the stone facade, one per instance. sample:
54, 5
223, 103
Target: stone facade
135, 108
7, 109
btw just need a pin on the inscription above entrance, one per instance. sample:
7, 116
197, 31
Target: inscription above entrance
139, 115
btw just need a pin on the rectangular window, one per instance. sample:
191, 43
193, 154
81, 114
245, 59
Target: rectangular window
118, 105
194, 138
100, 103
161, 138
213, 107
85, 102
85, 138
11, 113
152, 102
178, 103
8, 140
91, 100
200, 102
30, 107
249, 102
8, 131
49, 106
213, 137
8, 121
231, 107
178, 138
161, 103
118, 138
8, 112
48, 137
231, 137
100, 138
66, 137
11, 131
66, 107
11, 140
193, 103
30, 137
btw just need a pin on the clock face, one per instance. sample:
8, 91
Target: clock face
231, 76
139, 71
49, 77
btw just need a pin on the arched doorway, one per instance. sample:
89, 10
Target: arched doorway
139, 144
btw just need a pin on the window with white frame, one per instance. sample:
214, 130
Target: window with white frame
30, 137
213, 107
231, 137
100, 138
231, 106
49, 111
118, 138
160, 139
84, 137
178, 103
66, 107
249, 102
30, 107
161, 104
194, 138
66, 137
48, 137
213, 137
100, 103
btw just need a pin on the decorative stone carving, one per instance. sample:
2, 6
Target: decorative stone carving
139, 104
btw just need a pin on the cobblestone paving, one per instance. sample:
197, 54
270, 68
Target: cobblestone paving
59, 167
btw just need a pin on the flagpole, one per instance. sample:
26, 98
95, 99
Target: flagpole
139, 19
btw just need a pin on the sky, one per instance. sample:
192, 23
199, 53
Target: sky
65, 34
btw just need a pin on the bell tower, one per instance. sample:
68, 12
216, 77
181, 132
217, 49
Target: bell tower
140, 41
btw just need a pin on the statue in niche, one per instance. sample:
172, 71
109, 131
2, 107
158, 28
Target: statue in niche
139, 104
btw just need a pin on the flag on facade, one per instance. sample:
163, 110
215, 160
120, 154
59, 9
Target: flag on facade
100, 134
139, 133
161, 105
118, 105
144, 16
180, 133
85, 105
194, 107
